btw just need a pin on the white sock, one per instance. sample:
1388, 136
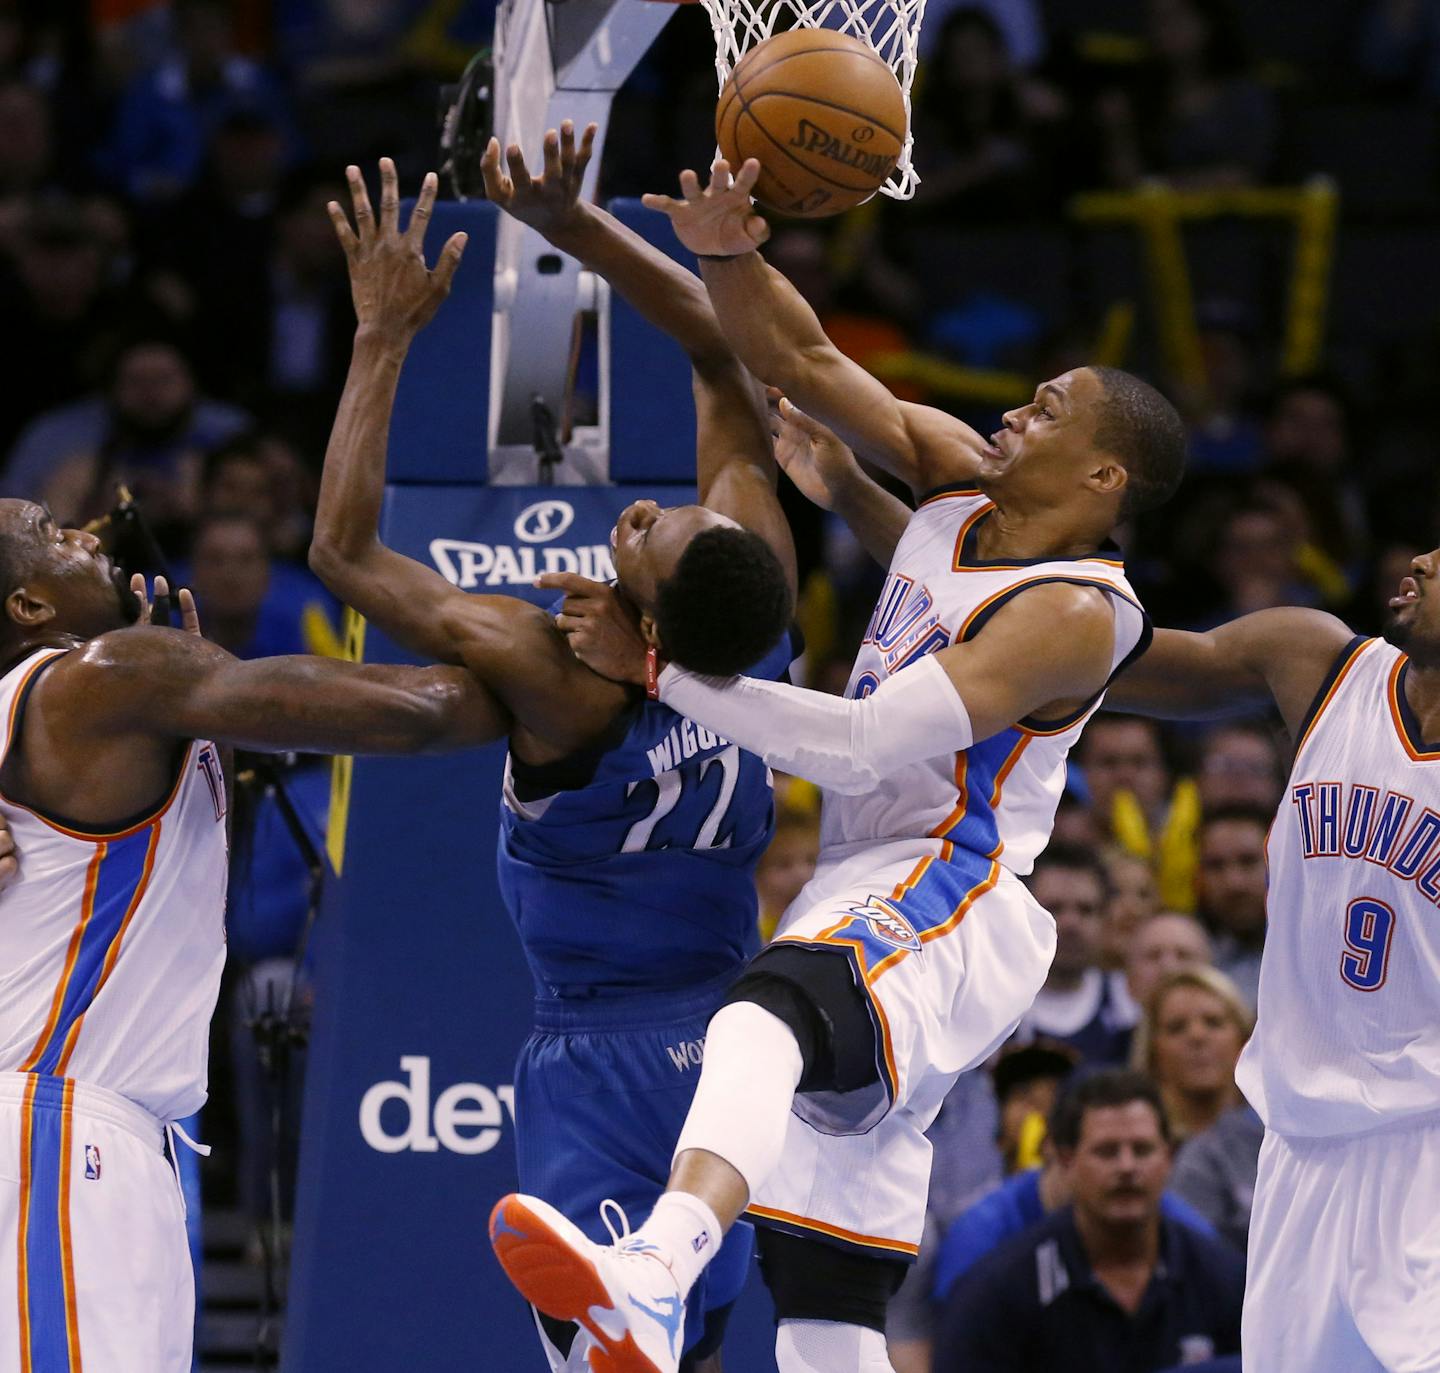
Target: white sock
687, 1233
747, 1085
829, 1347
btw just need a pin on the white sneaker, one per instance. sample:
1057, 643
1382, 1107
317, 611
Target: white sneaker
623, 1293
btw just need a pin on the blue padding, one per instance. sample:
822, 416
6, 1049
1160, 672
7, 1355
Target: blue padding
652, 414
442, 406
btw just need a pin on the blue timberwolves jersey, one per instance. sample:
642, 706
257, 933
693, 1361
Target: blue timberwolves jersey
631, 868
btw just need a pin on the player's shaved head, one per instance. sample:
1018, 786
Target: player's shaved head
1141, 428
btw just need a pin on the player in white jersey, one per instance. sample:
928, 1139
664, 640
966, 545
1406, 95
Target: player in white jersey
112, 934
1344, 1064
916, 949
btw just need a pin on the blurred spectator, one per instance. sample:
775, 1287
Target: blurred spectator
1134, 897
1199, 118
1075, 824
54, 296
1134, 803
1076, 1005
1231, 884
1308, 442
26, 146
1240, 765
1194, 1028
244, 605
1109, 1282
260, 475
168, 115
1257, 563
1397, 48
148, 430
1165, 944
1028, 1197
1224, 435
1215, 1172
1027, 1080
786, 865
979, 127
1020, 23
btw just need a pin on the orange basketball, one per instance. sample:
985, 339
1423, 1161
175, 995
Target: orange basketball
823, 114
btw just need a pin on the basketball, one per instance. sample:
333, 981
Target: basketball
822, 113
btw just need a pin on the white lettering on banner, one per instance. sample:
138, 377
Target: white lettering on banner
544, 520
478, 1111
468, 565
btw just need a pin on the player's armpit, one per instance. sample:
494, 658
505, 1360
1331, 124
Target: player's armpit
1045, 652
168, 684
1279, 655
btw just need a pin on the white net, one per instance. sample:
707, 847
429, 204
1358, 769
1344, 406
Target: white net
890, 27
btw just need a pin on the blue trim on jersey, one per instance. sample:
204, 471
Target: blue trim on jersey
45, 1287
978, 830
121, 870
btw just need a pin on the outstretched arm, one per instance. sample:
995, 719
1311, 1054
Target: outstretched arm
941, 704
509, 644
169, 684
1277, 655
779, 338
826, 473
735, 470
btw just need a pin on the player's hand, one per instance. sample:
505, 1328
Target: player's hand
9, 859
395, 294
808, 453
601, 629
718, 221
189, 616
550, 202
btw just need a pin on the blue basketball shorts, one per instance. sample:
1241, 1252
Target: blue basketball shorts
601, 1091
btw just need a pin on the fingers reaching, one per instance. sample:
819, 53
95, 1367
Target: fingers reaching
519, 172
498, 186
420, 215
348, 242
571, 583
189, 615
360, 203
389, 196
141, 594
448, 261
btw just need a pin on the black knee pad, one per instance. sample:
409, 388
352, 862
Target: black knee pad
813, 992
813, 1281
712, 1336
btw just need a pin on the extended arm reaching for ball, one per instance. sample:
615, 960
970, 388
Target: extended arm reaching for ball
779, 338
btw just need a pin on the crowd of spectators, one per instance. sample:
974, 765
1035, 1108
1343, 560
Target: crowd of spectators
181, 323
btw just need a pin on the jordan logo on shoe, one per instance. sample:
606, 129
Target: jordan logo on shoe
670, 1313
500, 1226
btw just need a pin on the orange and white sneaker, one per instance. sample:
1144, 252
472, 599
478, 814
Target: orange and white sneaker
623, 1293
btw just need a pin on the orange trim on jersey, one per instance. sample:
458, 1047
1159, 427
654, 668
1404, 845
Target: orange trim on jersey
1042, 579
77, 937
67, 1248
834, 1231
962, 799
87, 836
112, 954
964, 493
27, 1117
1393, 693
958, 564
1330, 696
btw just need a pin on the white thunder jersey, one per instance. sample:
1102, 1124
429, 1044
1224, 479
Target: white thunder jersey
111, 945
998, 798
1348, 1035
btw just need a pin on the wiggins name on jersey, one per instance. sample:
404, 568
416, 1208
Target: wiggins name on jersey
630, 868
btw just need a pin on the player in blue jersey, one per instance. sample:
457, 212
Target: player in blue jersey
629, 836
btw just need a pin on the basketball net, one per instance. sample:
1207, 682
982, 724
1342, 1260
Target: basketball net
890, 27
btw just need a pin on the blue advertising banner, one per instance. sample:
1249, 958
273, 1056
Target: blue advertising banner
423, 999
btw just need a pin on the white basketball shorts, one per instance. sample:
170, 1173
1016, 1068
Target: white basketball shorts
949, 949
94, 1264
1344, 1267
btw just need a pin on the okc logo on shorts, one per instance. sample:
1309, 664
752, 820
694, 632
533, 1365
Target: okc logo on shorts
888, 924
92, 1162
